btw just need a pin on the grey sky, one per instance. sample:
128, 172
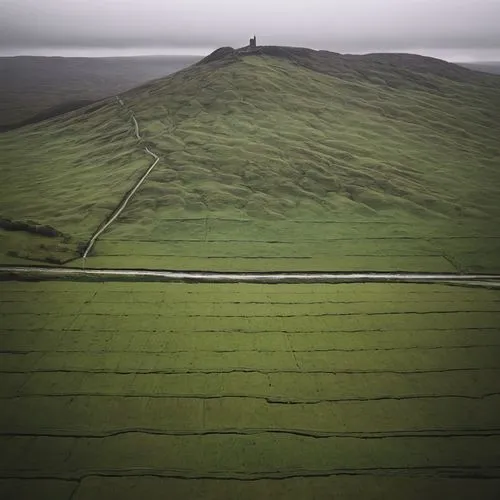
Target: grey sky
454, 27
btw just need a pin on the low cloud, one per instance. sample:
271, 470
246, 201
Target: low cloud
341, 26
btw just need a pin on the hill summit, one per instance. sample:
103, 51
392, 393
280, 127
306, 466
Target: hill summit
396, 67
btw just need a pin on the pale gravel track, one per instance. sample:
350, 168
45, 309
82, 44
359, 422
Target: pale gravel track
62, 273
119, 209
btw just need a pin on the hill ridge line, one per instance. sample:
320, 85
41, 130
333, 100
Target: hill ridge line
121, 206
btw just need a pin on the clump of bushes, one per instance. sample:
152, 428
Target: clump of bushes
30, 227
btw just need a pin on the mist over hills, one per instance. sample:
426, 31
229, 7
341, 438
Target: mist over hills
486, 67
257, 145
33, 88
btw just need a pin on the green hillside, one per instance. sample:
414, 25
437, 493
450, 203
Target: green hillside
279, 158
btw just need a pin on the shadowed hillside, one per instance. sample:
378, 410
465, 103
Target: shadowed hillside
35, 88
52, 112
269, 157
486, 67
392, 69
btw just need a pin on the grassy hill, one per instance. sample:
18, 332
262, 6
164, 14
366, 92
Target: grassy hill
278, 158
33, 88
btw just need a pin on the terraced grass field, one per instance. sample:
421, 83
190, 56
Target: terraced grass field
267, 148
250, 245
130, 390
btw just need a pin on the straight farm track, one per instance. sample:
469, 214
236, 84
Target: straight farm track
130, 390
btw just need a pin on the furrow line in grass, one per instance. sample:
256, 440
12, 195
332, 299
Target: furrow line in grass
252, 332
425, 433
45, 477
222, 257
319, 331
433, 472
241, 295
268, 399
123, 203
453, 262
219, 351
297, 221
252, 316
302, 240
280, 257
172, 303
387, 222
245, 371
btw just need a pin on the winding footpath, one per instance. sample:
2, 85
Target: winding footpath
121, 206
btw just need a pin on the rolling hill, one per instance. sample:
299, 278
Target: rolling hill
276, 158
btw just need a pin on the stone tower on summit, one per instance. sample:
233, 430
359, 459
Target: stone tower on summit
253, 42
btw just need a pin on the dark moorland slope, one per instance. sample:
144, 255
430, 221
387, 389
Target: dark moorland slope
34, 88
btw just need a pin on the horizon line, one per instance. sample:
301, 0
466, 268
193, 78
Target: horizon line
453, 55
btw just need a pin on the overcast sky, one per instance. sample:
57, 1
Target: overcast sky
452, 29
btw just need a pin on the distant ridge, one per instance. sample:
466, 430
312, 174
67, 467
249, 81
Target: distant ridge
484, 66
34, 88
59, 109
336, 64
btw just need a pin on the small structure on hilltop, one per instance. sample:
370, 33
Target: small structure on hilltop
253, 42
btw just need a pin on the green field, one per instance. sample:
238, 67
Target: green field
251, 245
267, 150
117, 391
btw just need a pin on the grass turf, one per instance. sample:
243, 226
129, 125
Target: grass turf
109, 386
